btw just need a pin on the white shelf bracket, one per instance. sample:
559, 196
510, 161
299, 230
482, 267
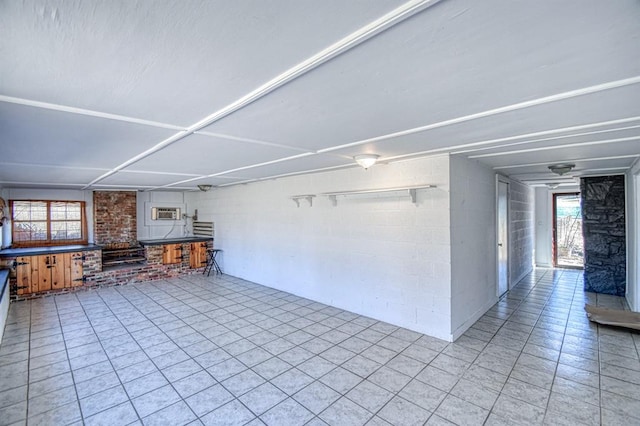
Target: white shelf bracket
412, 194
308, 197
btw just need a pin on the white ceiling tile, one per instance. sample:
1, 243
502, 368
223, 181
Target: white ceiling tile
200, 154
50, 175
41, 136
167, 61
304, 164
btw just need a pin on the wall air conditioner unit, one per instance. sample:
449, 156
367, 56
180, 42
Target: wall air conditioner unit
165, 213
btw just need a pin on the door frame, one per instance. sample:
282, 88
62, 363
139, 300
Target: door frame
554, 232
499, 180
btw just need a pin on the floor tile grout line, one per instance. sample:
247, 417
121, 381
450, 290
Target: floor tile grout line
114, 370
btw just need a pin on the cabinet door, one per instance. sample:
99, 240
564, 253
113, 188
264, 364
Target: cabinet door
171, 253
198, 256
57, 267
27, 274
74, 269
44, 275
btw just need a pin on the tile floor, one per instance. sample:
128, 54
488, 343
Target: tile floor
221, 350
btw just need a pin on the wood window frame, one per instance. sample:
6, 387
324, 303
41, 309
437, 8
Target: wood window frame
49, 241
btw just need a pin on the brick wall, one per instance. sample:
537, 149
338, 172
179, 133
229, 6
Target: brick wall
95, 276
114, 217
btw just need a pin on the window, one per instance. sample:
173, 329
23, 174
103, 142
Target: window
48, 223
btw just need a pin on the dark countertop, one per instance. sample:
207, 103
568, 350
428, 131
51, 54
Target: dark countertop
174, 241
33, 251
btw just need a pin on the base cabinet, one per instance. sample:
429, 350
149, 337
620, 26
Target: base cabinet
48, 272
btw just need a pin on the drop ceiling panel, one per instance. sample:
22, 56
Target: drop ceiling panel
583, 110
214, 181
564, 154
48, 137
28, 173
142, 179
298, 165
456, 58
167, 61
538, 172
200, 154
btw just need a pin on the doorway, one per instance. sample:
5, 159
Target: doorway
568, 245
503, 237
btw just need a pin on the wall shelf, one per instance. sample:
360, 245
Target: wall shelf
409, 190
309, 197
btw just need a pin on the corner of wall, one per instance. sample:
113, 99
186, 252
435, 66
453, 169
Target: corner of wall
473, 241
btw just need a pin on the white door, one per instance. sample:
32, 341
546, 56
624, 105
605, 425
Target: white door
503, 240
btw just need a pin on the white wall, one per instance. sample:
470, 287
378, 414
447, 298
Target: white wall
473, 242
380, 256
633, 237
543, 219
156, 229
4, 303
48, 194
521, 230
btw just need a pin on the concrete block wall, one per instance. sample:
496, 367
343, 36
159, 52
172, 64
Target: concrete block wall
379, 255
473, 242
521, 230
633, 237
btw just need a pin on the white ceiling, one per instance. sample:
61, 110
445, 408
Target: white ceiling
167, 95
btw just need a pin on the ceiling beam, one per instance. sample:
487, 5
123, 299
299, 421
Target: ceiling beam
547, 148
617, 157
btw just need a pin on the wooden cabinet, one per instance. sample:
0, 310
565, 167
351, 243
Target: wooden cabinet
198, 255
171, 253
48, 272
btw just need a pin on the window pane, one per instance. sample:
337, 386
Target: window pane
65, 231
29, 210
26, 231
65, 211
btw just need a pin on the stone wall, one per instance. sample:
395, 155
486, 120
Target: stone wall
603, 212
114, 218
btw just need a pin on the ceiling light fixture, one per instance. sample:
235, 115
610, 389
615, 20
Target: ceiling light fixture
366, 160
561, 169
204, 188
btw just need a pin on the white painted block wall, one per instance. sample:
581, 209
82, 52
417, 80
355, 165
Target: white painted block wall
157, 229
380, 256
633, 237
521, 230
473, 242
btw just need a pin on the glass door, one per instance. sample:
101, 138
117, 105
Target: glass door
568, 246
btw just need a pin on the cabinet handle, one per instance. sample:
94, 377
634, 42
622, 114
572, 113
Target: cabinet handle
54, 260
46, 261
